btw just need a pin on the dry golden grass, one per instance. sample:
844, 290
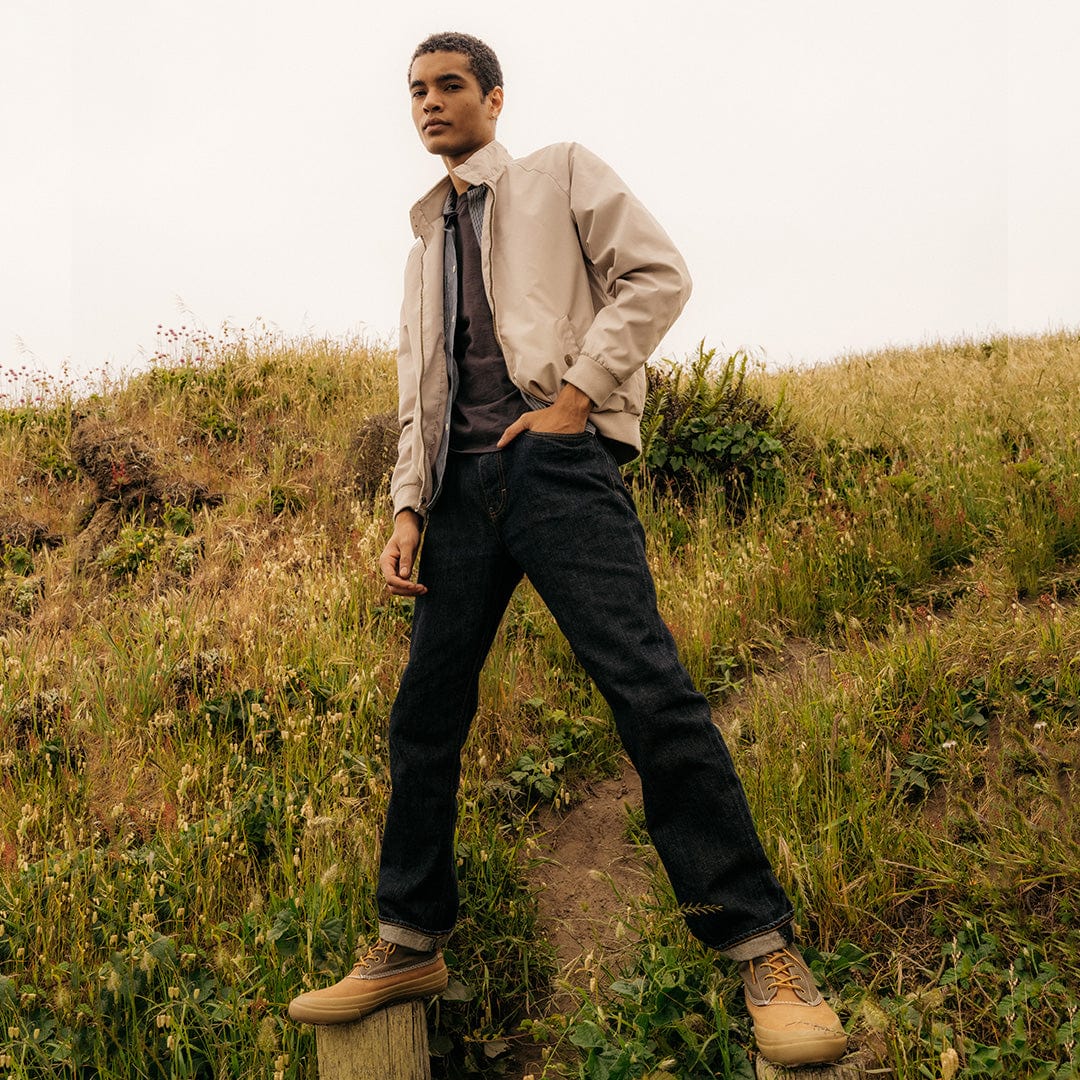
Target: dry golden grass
941, 394
193, 718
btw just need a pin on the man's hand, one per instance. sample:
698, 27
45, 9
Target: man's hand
567, 415
399, 555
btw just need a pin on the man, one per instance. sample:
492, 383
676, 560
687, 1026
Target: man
534, 294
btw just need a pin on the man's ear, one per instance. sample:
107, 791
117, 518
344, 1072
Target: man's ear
495, 102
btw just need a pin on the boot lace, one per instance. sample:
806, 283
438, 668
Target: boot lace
781, 970
378, 953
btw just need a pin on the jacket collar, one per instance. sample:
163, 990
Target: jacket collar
484, 167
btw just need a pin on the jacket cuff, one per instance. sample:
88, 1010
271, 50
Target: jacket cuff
408, 498
591, 377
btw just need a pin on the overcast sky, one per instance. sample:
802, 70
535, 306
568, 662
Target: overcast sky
840, 175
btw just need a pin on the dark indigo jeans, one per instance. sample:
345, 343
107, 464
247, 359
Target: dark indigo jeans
555, 508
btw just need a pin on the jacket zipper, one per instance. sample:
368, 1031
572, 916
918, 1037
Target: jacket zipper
444, 430
488, 234
422, 463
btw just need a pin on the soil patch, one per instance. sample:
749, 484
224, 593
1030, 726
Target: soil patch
588, 873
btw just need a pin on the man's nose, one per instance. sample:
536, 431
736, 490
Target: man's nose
432, 103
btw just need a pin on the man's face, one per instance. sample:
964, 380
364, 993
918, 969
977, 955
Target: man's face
452, 116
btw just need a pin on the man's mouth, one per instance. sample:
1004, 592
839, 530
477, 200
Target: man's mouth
435, 125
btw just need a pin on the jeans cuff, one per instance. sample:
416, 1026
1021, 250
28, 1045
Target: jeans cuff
758, 945
411, 939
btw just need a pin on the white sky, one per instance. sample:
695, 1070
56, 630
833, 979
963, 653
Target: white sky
840, 175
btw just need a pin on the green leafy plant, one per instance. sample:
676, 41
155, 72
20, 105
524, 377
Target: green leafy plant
178, 520
134, 548
284, 499
25, 593
19, 561
701, 425
1030, 994
539, 774
216, 426
1047, 697
667, 1013
186, 556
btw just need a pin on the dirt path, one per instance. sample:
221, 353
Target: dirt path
589, 872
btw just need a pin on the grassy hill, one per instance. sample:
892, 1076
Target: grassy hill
198, 660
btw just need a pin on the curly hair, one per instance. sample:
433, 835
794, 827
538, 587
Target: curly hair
482, 59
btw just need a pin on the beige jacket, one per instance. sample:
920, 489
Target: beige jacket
582, 282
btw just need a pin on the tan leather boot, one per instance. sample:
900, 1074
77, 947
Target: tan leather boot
792, 1023
386, 973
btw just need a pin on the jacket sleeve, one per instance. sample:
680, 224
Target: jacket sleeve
634, 263
406, 484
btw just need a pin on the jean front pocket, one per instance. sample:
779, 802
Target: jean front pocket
561, 438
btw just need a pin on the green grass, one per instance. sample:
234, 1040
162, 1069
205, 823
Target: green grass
193, 726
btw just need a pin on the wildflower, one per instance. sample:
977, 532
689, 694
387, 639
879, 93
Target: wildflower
950, 1062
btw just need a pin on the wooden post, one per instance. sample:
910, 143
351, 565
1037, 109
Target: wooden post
855, 1065
390, 1044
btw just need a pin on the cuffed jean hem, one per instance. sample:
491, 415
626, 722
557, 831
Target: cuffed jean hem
759, 945
413, 939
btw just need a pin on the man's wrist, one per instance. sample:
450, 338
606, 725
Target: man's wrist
574, 401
